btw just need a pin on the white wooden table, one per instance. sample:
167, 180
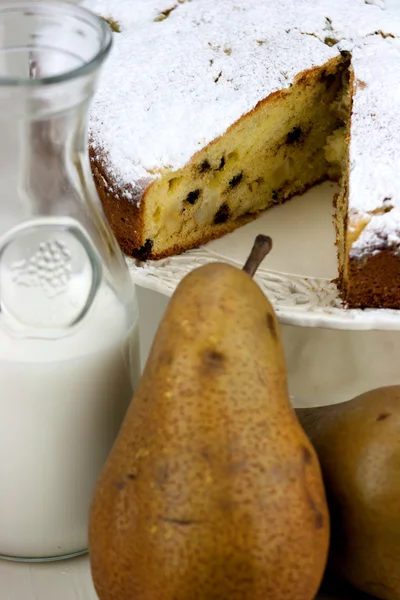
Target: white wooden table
71, 580
64, 580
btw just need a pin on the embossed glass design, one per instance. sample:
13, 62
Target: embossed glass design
68, 314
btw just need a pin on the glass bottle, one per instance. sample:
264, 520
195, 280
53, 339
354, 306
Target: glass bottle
69, 357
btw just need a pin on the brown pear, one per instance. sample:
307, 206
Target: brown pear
212, 490
358, 443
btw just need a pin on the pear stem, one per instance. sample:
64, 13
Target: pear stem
262, 246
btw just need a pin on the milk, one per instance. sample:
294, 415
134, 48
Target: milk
61, 405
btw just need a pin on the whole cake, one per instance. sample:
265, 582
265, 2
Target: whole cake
210, 111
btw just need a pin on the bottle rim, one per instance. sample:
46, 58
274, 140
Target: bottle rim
62, 8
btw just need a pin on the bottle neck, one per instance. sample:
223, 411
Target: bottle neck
46, 148
51, 53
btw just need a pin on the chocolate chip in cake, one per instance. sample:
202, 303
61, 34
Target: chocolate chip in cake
294, 135
221, 164
204, 167
145, 251
327, 78
236, 179
192, 197
275, 196
222, 215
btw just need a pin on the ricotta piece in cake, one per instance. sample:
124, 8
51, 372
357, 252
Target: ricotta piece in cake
208, 113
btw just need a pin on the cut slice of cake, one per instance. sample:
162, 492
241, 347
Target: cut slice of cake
209, 113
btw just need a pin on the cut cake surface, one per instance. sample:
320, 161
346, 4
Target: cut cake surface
209, 112
370, 268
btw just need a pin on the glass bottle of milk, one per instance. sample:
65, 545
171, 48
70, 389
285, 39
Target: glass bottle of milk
69, 356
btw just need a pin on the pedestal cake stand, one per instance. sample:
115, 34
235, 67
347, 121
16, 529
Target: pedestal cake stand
332, 353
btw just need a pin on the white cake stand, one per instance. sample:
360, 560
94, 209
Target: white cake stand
332, 353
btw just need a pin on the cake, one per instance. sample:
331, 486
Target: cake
209, 112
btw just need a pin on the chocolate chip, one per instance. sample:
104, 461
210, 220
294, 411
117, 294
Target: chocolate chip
275, 196
327, 78
221, 164
192, 197
222, 215
205, 166
294, 135
144, 252
236, 179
